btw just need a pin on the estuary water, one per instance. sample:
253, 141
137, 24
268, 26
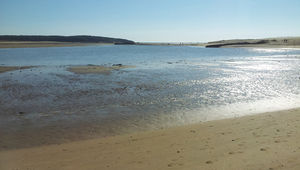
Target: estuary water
170, 86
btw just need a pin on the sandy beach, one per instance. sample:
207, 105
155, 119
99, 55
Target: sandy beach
150, 85
264, 141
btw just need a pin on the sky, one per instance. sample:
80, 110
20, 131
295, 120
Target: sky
152, 20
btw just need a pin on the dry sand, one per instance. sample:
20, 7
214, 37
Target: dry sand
96, 69
265, 141
32, 44
13, 68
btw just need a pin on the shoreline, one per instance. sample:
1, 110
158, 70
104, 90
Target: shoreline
260, 46
283, 42
220, 44
39, 44
4, 69
263, 141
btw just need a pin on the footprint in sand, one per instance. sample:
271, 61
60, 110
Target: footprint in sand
133, 140
208, 162
173, 164
263, 149
192, 131
170, 165
231, 153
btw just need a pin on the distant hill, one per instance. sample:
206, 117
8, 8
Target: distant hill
75, 39
266, 42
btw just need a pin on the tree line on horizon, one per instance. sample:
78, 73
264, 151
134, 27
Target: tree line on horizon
77, 38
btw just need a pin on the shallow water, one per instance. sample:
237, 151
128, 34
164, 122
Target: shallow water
169, 86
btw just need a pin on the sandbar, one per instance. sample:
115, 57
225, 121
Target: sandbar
97, 69
282, 42
13, 68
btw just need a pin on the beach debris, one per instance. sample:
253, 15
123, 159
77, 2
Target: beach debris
263, 149
21, 113
117, 65
208, 162
192, 131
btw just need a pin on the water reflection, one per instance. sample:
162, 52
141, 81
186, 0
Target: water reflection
169, 86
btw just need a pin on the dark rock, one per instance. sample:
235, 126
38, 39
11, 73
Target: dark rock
236, 43
118, 65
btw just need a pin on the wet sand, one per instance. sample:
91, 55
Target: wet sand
96, 69
13, 68
264, 141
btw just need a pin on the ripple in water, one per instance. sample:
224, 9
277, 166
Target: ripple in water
170, 86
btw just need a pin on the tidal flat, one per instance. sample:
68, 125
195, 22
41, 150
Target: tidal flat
96, 69
168, 86
13, 68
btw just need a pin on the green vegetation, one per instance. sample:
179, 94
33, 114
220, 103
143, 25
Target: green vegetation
77, 39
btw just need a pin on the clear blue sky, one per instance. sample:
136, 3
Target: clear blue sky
153, 20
